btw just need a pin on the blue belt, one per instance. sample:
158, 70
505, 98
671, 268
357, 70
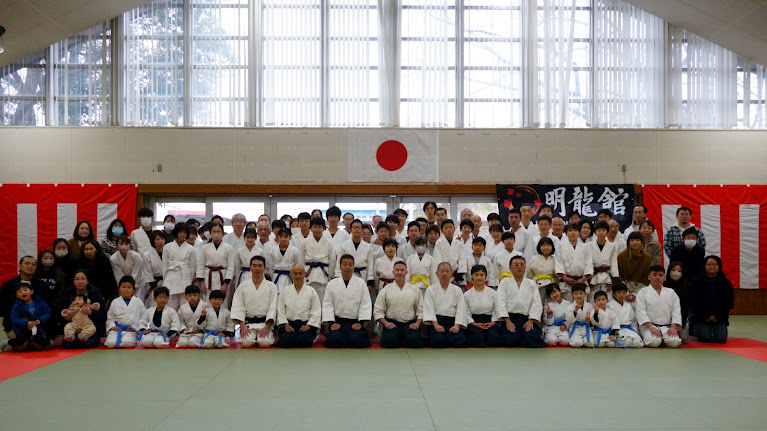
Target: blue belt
581, 323
601, 331
320, 265
359, 269
280, 273
629, 327
209, 333
245, 268
164, 335
120, 329
558, 322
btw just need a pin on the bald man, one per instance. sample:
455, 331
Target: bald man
299, 312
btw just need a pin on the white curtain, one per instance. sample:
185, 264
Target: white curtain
703, 83
23, 90
154, 64
628, 66
753, 94
428, 64
219, 76
292, 74
389, 61
352, 56
82, 84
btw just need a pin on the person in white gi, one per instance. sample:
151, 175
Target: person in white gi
519, 306
152, 272
236, 239
604, 322
408, 248
523, 240
281, 258
447, 249
161, 322
254, 306
192, 316
444, 310
242, 263
362, 252
335, 234
125, 261
399, 310
215, 262
573, 261
555, 331
139, 238
266, 238
614, 235
346, 307
627, 335
177, 262
604, 259
319, 257
421, 267
218, 325
299, 312
124, 316
578, 318
658, 312
483, 329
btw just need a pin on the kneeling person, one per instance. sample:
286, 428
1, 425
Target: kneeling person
254, 306
658, 312
399, 310
124, 316
345, 307
192, 316
299, 312
218, 325
519, 305
444, 310
483, 329
161, 321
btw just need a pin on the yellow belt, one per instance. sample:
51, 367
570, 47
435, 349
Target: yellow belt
540, 276
422, 278
504, 274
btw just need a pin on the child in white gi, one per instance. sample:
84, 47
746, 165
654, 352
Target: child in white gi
628, 335
578, 318
604, 259
281, 258
604, 322
503, 257
218, 326
555, 331
573, 261
478, 257
161, 322
421, 267
319, 256
192, 316
124, 316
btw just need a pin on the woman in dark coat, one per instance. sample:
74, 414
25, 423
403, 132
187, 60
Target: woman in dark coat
712, 299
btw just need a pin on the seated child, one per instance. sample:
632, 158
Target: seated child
218, 326
80, 324
29, 316
124, 316
578, 318
555, 331
624, 312
604, 322
192, 317
161, 322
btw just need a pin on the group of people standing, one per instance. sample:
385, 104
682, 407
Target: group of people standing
291, 281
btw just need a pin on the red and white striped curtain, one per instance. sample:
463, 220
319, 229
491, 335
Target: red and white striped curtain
730, 217
36, 214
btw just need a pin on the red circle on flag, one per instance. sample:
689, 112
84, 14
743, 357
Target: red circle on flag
391, 155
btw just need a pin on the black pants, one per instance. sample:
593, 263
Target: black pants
26, 339
439, 340
345, 336
296, 338
476, 337
520, 337
401, 336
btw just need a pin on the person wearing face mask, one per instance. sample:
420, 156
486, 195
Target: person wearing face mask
676, 281
126, 261
63, 259
690, 253
52, 277
203, 236
109, 243
168, 223
82, 233
139, 238
712, 299
675, 234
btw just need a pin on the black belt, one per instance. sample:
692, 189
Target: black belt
250, 320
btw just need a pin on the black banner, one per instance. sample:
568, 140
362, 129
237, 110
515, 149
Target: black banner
586, 199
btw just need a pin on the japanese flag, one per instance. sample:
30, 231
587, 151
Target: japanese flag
397, 156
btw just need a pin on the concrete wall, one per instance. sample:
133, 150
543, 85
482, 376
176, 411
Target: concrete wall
284, 156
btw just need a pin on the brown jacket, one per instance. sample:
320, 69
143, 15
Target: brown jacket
634, 267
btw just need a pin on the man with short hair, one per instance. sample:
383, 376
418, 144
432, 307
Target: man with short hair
674, 236
638, 215
237, 238
27, 267
345, 307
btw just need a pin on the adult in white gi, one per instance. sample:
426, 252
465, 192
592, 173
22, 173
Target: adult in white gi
519, 306
215, 262
362, 252
399, 310
236, 239
450, 250
444, 311
658, 312
254, 306
139, 238
345, 307
242, 259
124, 317
299, 312
523, 240
177, 263
483, 329
152, 273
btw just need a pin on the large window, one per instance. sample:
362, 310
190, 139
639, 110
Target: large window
363, 63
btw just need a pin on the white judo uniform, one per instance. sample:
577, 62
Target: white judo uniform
139, 241
383, 273
448, 302
347, 302
158, 337
234, 241
523, 242
553, 334
484, 302
303, 305
192, 322
578, 329
152, 271
215, 265
605, 263
405, 251
319, 257
522, 298
542, 271
278, 265
492, 249
177, 262
573, 261
124, 316
502, 260
363, 259
452, 253
132, 264
662, 310
603, 327
242, 258
422, 271
400, 305
256, 306
628, 335
491, 276
338, 238
216, 323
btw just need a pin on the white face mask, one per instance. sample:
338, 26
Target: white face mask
420, 249
47, 262
675, 275
169, 226
146, 221
690, 243
61, 253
